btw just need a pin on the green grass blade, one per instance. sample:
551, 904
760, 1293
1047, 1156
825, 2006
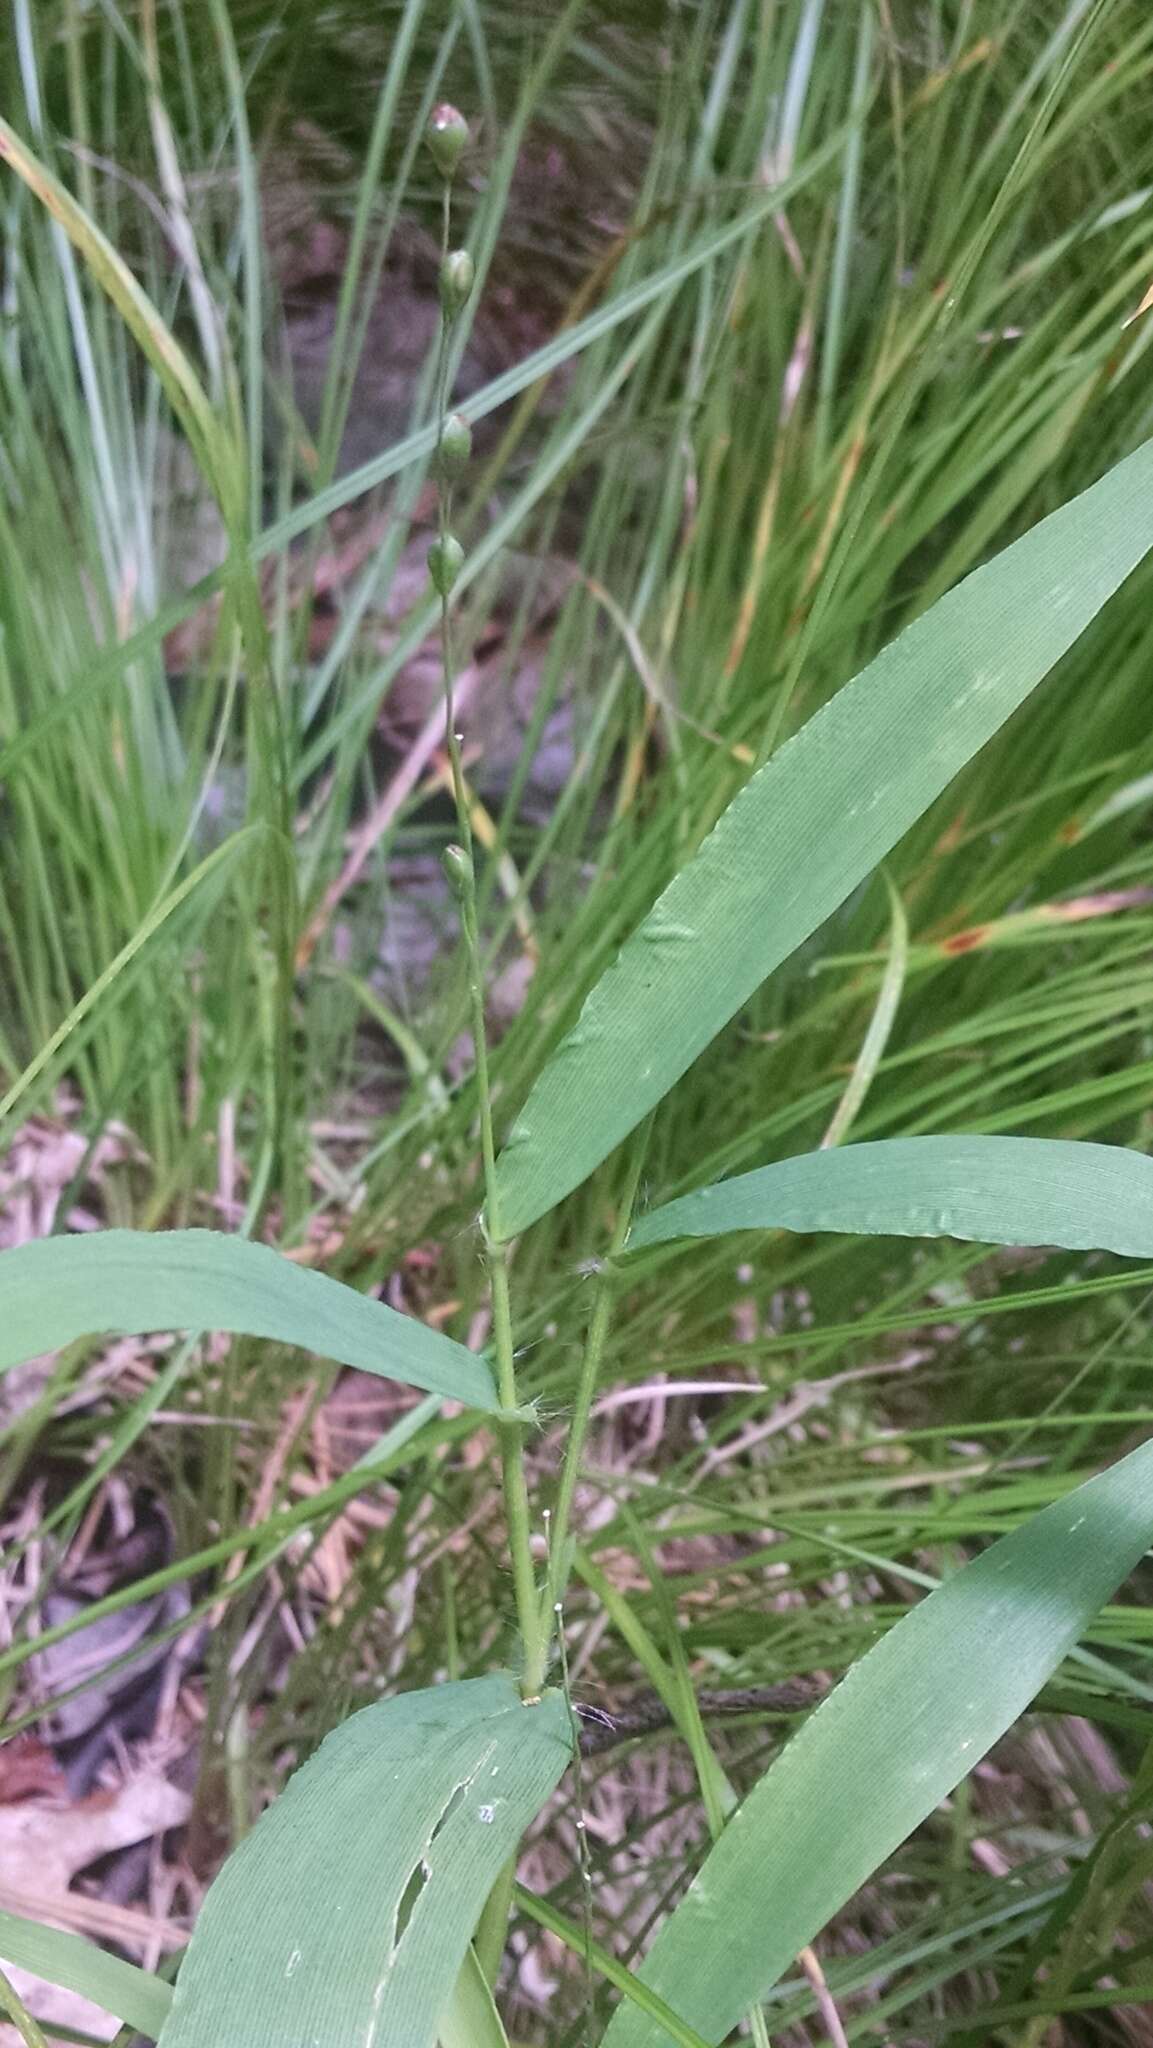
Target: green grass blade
129, 1282
991, 1190
213, 868
135, 1996
880, 1025
644, 1999
812, 824
894, 1738
185, 391
346, 1914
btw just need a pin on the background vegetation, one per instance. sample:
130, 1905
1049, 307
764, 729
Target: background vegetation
788, 315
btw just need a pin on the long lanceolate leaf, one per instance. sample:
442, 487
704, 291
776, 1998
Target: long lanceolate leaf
993, 1190
61, 1288
812, 824
905, 1726
344, 1918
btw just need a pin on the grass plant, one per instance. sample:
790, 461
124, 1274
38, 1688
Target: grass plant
834, 305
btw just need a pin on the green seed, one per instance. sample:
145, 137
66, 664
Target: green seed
445, 562
455, 445
458, 870
456, 276
447, 137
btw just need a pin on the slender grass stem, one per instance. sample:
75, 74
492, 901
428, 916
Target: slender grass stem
583, 1858
534, 1629
11, 2003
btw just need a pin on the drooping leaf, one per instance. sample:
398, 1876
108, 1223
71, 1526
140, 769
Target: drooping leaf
135, 1996
994, 1190
894, 1738
129, 1282
346, 1914
812, 824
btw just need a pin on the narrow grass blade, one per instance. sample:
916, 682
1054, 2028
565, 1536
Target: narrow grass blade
991, 1190
347, 1913
133, 1995
880, 1025
68, 1033
894, 1738
812, 824
128, 1282
645, 2001
163, 351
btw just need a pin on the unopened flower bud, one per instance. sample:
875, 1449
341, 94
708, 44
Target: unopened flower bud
456, 276
445, 562
447, 137
458, 869
455, 445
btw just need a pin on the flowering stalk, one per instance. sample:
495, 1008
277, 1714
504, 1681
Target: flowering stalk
447, 137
